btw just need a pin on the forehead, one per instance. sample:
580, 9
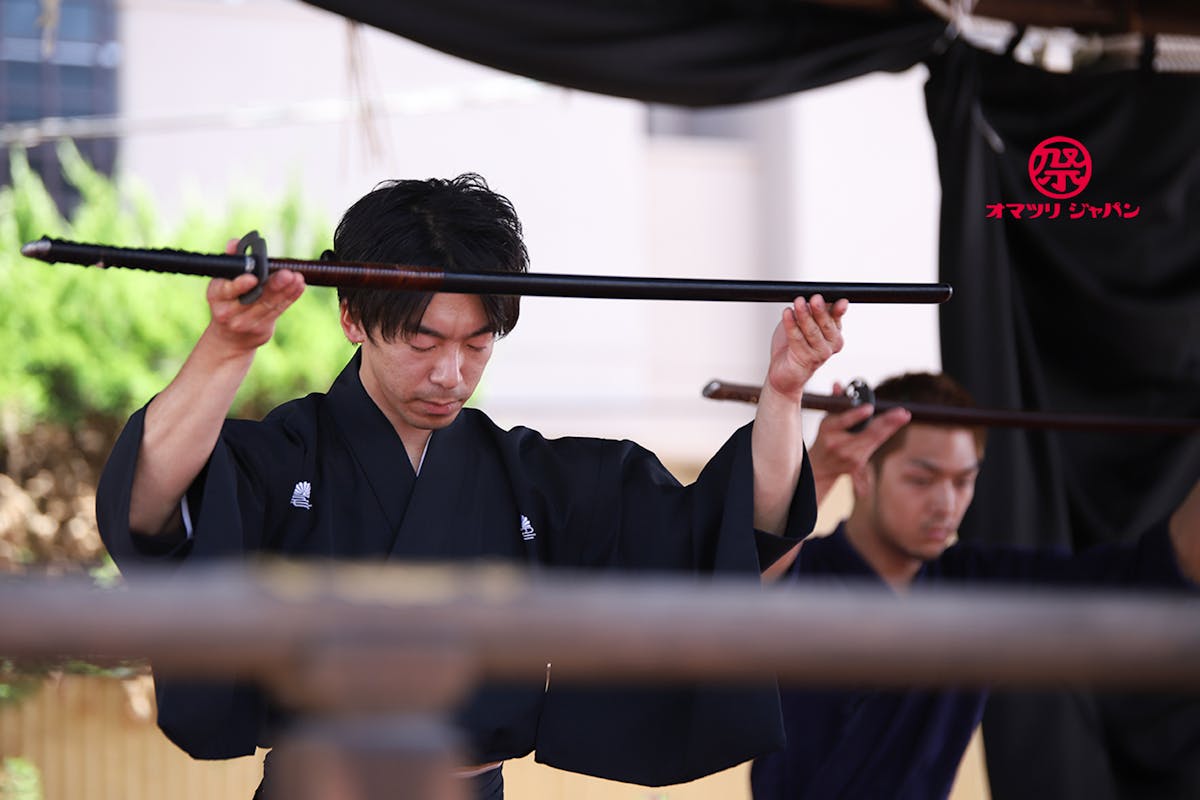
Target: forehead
949, 449
454, 313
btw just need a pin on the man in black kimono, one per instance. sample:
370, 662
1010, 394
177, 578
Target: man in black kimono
389, 464
912, 486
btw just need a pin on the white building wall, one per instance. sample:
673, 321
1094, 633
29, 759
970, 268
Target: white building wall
867, 210
835, 184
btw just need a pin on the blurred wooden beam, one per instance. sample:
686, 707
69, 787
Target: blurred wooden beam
478, 622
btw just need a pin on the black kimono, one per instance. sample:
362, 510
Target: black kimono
907, 745
327, 476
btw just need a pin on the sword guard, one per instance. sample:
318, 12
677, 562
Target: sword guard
860, 393
255, 247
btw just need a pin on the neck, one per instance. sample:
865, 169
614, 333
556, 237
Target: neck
415, 441
896, 568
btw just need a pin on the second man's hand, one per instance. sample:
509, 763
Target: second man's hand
838, 450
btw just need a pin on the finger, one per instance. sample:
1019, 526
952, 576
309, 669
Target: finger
283, 283
838, 310
838, 389
807, 329
824, 317
847, 419
231, 246
282, 289
223, 290
884, 426
791, 318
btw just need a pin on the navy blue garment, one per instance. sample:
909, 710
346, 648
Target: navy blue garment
326, 476
487, 785
907, 745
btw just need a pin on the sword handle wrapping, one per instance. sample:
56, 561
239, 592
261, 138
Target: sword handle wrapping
60, 251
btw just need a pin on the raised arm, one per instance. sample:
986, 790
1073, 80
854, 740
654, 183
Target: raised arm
184, 420
806, 336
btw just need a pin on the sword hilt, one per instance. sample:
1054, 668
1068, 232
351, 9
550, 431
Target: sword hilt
254, 247
860, 393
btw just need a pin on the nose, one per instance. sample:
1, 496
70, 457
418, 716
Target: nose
447, 369
942, 497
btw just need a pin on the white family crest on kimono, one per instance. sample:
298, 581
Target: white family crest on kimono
301, 495
527, 531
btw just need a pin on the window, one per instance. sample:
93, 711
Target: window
68, 71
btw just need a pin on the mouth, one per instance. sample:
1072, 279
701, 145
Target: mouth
939, 533
440, 408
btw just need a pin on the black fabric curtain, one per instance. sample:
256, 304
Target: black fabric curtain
1091, 315
1098, 315
680, 52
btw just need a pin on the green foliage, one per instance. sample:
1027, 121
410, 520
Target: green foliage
105, 574
16, 683
81, 343
20, 780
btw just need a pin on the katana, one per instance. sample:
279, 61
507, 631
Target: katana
986, 417
252, 258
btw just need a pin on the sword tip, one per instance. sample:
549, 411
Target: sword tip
39, 249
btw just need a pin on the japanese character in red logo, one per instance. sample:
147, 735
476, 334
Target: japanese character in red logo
1060, 167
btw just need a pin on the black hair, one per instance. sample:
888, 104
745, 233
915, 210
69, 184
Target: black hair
925, 387
453, 225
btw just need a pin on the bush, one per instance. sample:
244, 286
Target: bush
19, 780
84, 344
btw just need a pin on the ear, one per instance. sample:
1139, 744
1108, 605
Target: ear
351, 327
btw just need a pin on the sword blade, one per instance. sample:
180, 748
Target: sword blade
415, 278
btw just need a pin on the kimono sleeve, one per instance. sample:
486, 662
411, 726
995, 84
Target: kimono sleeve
226, 500
613, 504
638, 518
208, 720
1149, 562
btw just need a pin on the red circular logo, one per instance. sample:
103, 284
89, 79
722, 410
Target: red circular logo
1060, 167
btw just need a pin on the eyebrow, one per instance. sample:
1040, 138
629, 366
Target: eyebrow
439, 335
931, 467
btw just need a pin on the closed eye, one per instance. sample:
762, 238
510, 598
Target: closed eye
480, 343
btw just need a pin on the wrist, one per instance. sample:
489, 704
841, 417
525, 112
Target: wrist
776, 398
217, 350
